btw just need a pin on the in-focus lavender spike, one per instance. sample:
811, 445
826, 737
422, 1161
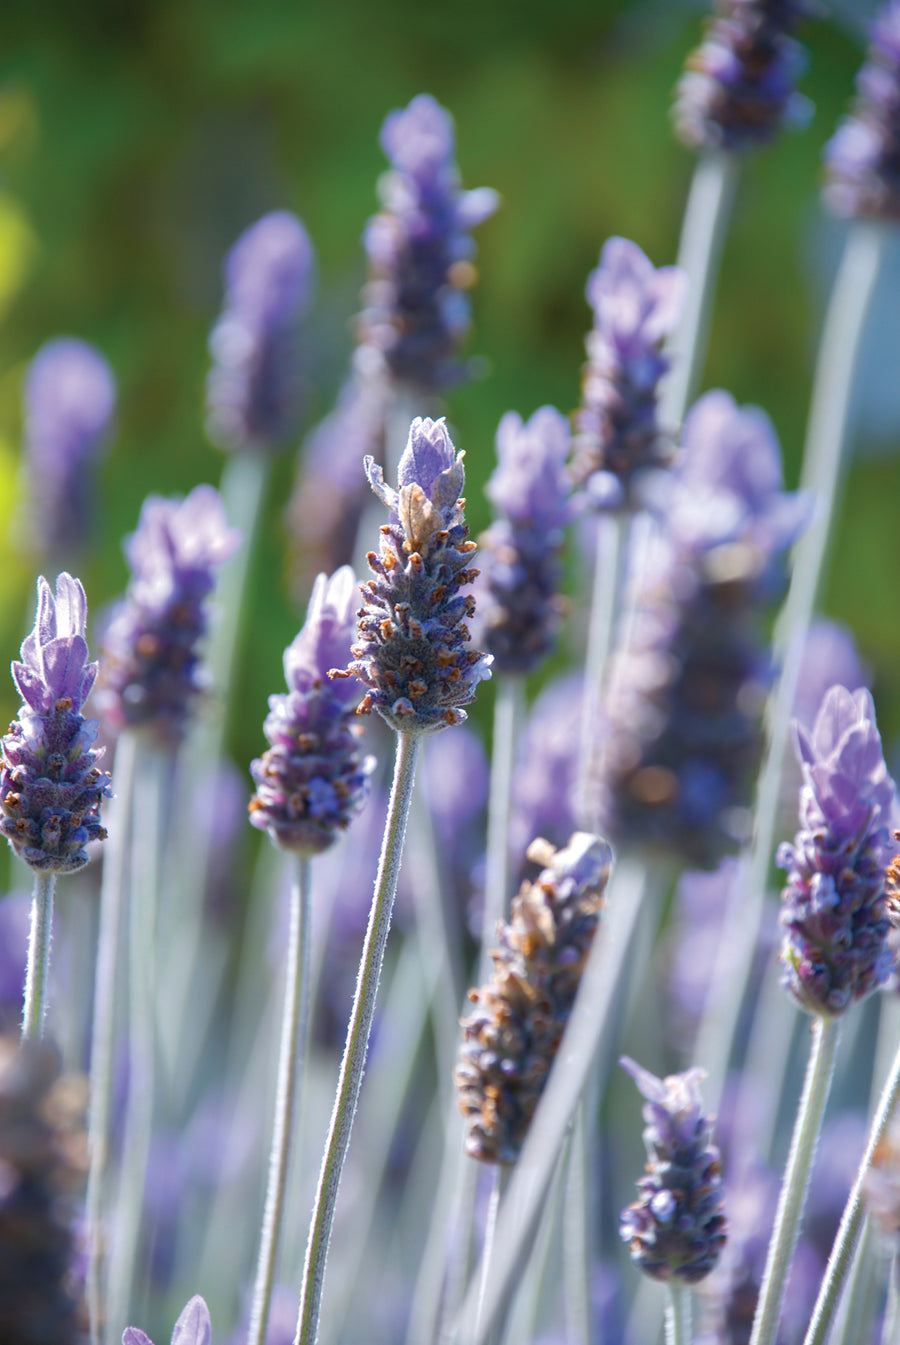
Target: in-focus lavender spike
253, 387
862, 158
151, 672
676, 1227
420, 251
51, 786
835, 949
312, 781
739, 89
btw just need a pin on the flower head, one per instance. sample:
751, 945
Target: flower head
252, 393
519, 606
676, 1227
636, 306
51, 787
739, 89
411, 651
192, 1328
862, 159
835, 948
420, 250
70, 400
151, 666
311, 782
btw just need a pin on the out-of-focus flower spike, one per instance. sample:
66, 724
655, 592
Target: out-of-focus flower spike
740, 86
676, 1227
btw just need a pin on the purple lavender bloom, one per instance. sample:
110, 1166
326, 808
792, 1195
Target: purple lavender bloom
512, 1035
739, 88
683, 712
151, 663
252, 388
420, 251
545, 778
519, 605
835, 949
618, 438
51, 787
862, 158
676, 1227
411, 652
70, 400
312, 782
192, 1328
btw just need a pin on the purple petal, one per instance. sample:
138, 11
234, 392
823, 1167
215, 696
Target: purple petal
193, 1326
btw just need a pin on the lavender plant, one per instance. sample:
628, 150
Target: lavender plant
192, 1328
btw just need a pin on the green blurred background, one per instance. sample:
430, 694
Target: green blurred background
138, 139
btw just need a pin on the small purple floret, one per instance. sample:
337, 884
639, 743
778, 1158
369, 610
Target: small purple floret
192, 1328
862, 158
618, 437
252, 388
676, 1227
312, 781
835, 949
51, 787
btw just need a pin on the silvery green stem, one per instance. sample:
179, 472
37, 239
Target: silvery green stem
498, 1184
816, 1087
293, 1042
610, 568
824, 461
437, 1258
890, 1331
533, 1172
38, 966
112, 891
508, 706
845, 1243
703, 231
575, 1234
359, 1027
151, 777
678, 1315
854, 1317
244, 484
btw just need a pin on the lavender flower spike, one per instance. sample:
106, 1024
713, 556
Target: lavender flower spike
192, 1328
412, 652
835, 949
420, 251
252, 389
676, 1228
519, 606
51, 787
311, 782
618, 436
511, 1038
739, 89
862, 158
151, 667
70, 400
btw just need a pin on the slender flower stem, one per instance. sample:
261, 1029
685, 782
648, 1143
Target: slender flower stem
610, 570
353, 1063
824, 460
847, 1238
576, 1232
706, 220
531, 1178
678, 1315
112, 892
152, 775
891, 1327
498, 1185
508, 706
293, 1040
38, 967
793, 1189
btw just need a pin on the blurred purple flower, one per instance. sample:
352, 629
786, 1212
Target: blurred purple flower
862, 158
14, 924
151, 662
51, 786
252, 388
192, 1328
411, 651
739, 88
519, 607
676, 1227
70, 400
618, 437
312, 781
835, 948
420, 251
